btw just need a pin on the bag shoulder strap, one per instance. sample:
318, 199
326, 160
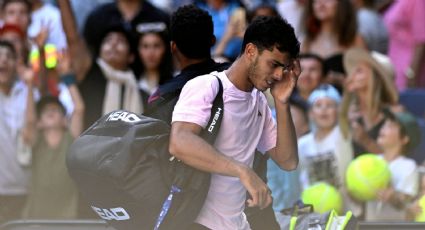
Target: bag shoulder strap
211, 131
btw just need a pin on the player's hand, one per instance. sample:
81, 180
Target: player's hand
258, 190
282, 89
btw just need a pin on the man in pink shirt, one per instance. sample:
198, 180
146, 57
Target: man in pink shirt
268, 60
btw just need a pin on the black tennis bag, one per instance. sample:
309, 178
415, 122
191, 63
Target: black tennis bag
122, 167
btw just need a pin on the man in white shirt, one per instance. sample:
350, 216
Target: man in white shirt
268, 60
13, 176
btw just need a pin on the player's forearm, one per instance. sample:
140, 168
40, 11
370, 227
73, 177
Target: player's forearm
196, 152
286, 151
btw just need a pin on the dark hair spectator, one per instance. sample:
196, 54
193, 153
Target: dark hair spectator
186, 20
19, 15
156, 66
131, 13
314, 57
311, 76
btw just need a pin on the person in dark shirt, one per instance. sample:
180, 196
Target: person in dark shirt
132, 13
193, 57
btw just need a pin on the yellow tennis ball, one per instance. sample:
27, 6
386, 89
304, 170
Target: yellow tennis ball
421, 216
51, 56
35, 59
366, 175
323, 197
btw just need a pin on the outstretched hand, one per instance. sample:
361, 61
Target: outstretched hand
27, 74
282, 90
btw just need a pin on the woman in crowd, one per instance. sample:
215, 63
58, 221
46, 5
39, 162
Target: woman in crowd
331, 29
369, 90
155, 56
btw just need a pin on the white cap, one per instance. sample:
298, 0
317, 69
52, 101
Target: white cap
324, 90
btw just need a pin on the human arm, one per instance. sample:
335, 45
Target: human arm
285, 154
68, 77
80, 55
235, 29
417, 34
393, 197
416, 64
187, 146
401, 191
29, 130
361, 136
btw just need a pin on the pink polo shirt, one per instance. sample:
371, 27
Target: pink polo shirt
247, 125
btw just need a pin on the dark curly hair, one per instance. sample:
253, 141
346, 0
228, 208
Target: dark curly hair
193, 32
166, 64
267, 32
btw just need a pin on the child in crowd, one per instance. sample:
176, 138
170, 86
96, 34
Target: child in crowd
52, 194
397, 137
324, 153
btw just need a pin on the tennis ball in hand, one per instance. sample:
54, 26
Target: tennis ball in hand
366, 175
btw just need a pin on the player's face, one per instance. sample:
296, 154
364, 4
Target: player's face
268, 67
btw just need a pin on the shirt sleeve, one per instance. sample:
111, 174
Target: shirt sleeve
269, 134
409, 184
195, 101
